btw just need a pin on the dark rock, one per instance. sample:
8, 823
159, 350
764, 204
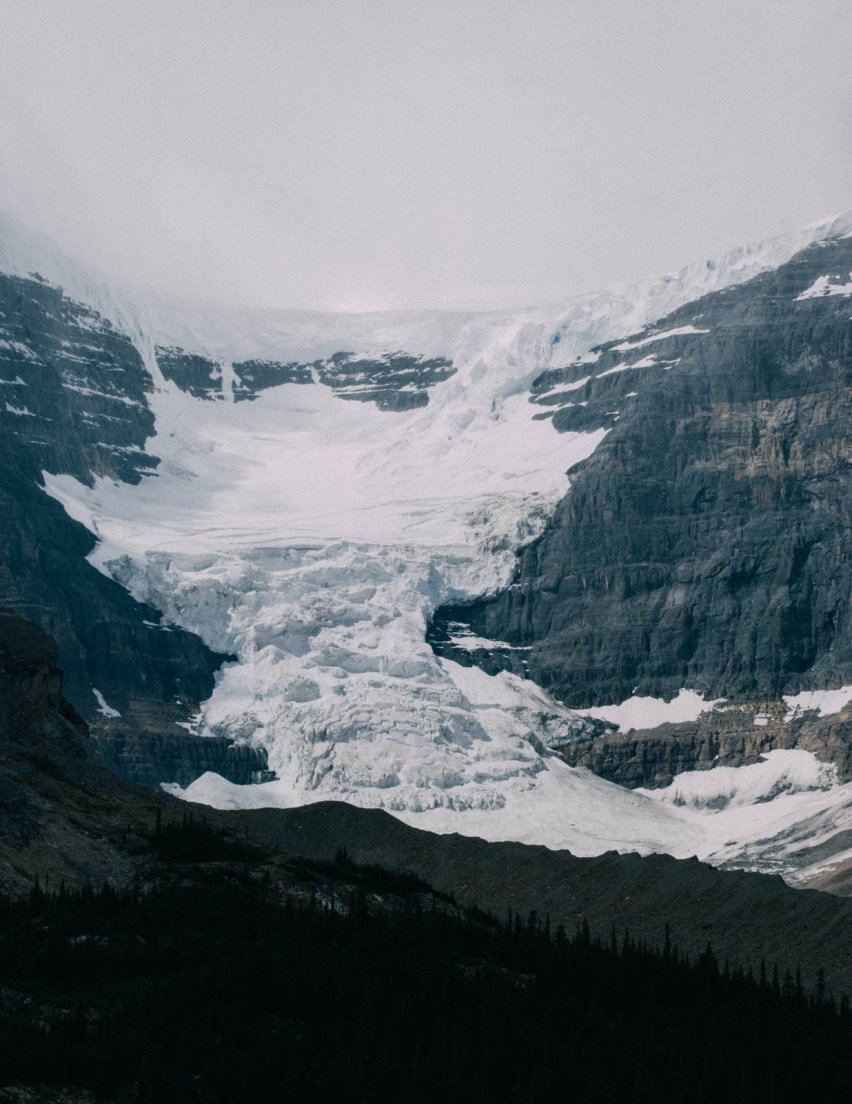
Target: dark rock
64, 817
254, 376
704, 544
155, 757
394, 382
74, 400
197, 375
727, 737
73, 390
746, 916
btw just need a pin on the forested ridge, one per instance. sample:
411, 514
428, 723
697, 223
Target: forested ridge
209, 988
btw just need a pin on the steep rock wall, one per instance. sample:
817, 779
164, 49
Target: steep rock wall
704, 544
73, 399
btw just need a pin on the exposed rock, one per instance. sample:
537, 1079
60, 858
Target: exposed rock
74, 400
155, 757
726, 737
197, 375
73, 390
254, 376
395, 381
64, 817
705, 543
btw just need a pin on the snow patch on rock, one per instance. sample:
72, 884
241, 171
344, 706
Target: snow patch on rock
642, 713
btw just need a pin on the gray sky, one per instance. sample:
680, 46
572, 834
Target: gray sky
382, 153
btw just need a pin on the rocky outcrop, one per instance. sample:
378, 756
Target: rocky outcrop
74, 400
254, 376
197, 375
393, 381
704, 544
29, 673
73, 390
155, 757
732, 736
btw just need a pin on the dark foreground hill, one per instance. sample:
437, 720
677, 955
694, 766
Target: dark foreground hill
207, 989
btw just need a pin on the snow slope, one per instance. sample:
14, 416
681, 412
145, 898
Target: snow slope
313, 537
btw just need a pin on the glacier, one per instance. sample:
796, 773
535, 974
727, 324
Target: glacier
312, 538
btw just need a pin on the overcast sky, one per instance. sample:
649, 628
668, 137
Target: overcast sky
382, 153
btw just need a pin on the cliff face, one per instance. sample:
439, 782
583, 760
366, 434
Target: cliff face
704, 544
73, 399
733, 736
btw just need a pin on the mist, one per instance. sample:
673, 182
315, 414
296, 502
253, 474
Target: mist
363, 154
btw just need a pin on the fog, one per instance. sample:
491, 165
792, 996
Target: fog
383, 153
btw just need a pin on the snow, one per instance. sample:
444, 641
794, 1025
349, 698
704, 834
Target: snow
564, 388
780, 814
777, 772
642, 713
104, 709
462, 637
645, 362
313, 538
678, 331
826, 702
824, 286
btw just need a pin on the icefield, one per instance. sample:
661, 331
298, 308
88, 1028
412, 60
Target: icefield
313, 537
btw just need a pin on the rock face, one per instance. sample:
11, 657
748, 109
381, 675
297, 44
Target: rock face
29, 672
254, 376
393, 381
155, 757
197, 375
732, 736
73, 399
704, 544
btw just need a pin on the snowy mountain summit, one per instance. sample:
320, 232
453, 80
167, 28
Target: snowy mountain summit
304, 491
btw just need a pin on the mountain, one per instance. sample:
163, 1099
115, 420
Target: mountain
348, 545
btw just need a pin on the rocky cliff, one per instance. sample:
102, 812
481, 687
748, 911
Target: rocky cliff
73, 399
704, 543
731, 736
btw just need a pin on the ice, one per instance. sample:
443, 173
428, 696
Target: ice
775, 815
